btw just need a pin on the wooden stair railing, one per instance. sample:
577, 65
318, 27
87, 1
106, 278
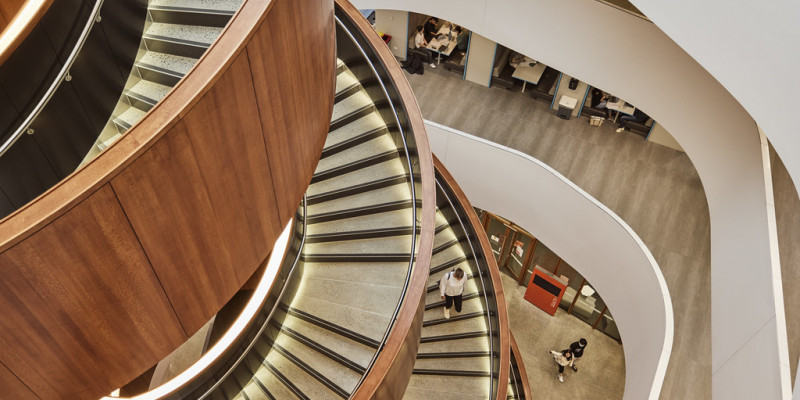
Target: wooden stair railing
503, 340
114, 267
523, 374
391, 371
17, 20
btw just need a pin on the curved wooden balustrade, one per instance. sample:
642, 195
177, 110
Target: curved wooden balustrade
523, 375
113, 268
391, 372
494, 273
29, 13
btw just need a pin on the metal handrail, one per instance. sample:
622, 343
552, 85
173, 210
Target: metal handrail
413, 202
63, 75
483, 284
268, 320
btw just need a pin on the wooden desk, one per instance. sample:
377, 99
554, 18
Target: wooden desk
434, 44
620, 107
530, 74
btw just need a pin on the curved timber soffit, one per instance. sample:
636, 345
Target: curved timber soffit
157, 203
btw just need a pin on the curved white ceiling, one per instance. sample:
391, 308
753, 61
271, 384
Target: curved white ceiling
753, 49
633, 59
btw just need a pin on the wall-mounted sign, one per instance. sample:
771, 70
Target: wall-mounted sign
495, 238
518, 247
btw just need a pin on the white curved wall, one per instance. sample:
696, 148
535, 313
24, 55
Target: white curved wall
749, 347
753, 48
583, 232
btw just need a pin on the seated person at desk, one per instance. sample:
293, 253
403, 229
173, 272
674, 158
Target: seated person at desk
430, 28
599, 100
462, 40
420, 42
638, 116
518, 60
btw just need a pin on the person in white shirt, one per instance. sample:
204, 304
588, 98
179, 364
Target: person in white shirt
451, 288
420, 42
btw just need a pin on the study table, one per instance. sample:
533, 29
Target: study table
527, 73
620, 106
435, 44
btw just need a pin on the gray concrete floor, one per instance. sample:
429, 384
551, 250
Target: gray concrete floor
601, 370
655, 189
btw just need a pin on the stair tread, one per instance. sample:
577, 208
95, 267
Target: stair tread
383, 245
467, 307
361, 125
454, 387
131, 116
266, 378
464, 265
225, 5
192, 33
366, 323
395, 192
345, 80
151, 90
387, 273
380, 299
447, 254
469, 344
354, 351
385, 169
482, 363
378, 145
170, 62
449, 328
387, 219
342, 377
350, 104
302, 380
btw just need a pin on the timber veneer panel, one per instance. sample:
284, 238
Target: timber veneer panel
200, 200
291, 91
13, 387
165, 197
68, 297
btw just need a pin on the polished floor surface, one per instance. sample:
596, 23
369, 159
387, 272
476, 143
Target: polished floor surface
601, 370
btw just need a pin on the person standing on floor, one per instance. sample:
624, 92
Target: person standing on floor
563, 358
451, 288
577, 352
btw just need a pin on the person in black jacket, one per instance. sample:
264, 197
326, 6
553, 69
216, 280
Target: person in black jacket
429, 29
577, 352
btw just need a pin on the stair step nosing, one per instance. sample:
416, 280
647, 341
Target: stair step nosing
311, 371
361, 211
171, 39
165, 71
457, 318
190, 10
453, 336
323, 350
330, 326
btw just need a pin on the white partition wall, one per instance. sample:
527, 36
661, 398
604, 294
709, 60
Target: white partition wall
586, 234
394, 23
749, 346
480, 59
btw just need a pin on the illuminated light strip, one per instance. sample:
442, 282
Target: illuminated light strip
250, 310
19, 23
